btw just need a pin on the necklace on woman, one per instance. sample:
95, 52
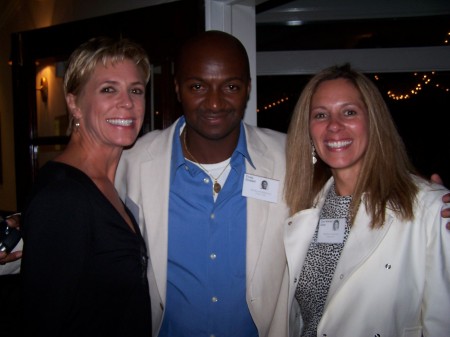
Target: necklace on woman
216, 186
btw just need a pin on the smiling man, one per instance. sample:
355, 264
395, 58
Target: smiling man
216, 252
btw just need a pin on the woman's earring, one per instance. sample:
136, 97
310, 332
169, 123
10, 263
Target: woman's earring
76, 124
313, 153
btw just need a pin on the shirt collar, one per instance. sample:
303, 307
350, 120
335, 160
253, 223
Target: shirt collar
177, 151
241, 147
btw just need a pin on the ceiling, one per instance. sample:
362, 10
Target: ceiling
298, 11
329, 24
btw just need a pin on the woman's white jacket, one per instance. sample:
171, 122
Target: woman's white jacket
393, 281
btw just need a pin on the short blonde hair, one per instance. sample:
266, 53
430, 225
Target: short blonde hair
85, 58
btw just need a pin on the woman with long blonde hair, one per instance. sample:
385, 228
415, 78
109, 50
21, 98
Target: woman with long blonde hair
384, 270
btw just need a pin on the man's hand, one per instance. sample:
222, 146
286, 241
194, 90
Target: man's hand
13, 256
445, 213
13, 221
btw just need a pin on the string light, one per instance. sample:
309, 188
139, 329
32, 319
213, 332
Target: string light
274, 104
407, 94
426, 79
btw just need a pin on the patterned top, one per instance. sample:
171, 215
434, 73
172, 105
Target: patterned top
320, 264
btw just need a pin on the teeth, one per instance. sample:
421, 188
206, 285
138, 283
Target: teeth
339, 144
121, 122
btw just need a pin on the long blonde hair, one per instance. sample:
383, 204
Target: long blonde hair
385, 176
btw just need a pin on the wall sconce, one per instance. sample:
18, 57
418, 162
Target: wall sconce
43, 89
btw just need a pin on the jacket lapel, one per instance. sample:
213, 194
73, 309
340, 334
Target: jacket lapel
155, 182
257, 210
299, 231
360, 244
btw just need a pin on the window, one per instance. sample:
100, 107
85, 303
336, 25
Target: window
399, 54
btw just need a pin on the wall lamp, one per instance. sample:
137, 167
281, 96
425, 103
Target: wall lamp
43, 89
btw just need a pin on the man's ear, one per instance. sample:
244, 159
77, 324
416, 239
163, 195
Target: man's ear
177, 89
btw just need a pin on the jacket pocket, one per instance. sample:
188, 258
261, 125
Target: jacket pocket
413, 332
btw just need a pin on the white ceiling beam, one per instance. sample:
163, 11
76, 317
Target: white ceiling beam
366, 60
237, 17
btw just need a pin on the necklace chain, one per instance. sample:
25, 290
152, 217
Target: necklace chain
216, 187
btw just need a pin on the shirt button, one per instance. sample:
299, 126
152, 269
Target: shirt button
214, 299
212, 335
213, 256
206, 180
341, 276
212, 215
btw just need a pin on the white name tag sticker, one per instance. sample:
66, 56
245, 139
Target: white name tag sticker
331, 230
260, 188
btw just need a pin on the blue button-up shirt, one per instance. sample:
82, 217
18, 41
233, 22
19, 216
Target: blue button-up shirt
207, 250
